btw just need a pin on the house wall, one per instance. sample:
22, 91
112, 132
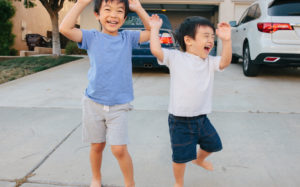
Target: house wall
33, 20
37, 20
230, 10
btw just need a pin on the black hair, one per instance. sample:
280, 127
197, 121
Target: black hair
189, 28
98, 3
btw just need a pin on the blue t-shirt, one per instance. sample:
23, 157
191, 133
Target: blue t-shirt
110, 73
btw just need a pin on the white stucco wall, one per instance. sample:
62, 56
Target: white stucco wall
33, 20
231, 11
88, 19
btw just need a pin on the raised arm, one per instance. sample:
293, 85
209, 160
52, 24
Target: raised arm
155, 46
135, 5
67, 26
224, 33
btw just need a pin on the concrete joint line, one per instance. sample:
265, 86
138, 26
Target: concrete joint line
220, 111
136, 79
30, 173
65, 184
38, 107
256, 112
7, 180
145, 110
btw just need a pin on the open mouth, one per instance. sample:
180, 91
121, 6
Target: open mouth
112, 23
207, 48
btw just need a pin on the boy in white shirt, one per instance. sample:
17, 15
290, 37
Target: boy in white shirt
192, 75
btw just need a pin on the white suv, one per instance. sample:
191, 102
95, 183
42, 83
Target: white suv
267, 33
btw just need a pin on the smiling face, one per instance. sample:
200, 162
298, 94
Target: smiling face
111, 16
203, 42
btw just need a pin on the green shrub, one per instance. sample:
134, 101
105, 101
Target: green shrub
7, 11
72, 49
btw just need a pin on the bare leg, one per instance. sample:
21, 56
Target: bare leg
125, 162
96, 160
178, 170
200, 161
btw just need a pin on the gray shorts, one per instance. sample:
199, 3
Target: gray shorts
102, 123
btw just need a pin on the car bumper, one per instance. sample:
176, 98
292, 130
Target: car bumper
145, 61
267, 46
283, 59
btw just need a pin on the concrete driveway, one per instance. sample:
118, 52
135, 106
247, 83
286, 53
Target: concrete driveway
258, 120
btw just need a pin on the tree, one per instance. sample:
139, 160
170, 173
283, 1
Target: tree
7, 11
52, 7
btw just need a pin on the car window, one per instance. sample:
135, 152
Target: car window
257, 13
133, 21
251, 13
243, 17
284, 8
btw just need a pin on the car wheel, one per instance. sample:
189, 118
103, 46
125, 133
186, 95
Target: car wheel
249, 68
166, 70
234, 59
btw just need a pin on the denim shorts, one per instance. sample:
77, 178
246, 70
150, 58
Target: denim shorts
187, 132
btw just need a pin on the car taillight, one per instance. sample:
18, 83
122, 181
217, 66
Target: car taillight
273, 27
166, 38
271, 59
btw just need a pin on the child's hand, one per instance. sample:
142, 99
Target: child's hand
224, 31
84, 1
134, 5
155, 22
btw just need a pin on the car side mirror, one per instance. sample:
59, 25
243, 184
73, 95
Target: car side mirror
232, 23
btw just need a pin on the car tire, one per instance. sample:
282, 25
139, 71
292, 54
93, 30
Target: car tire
166, 70
249, 68
234, 59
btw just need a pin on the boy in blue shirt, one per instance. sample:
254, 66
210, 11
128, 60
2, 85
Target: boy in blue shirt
191, 86
106, 101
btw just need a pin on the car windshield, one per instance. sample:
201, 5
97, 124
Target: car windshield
133, 21
284, 8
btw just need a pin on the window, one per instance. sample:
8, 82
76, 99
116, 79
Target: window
243, 17
251, 13
284, 8
133, 21
257, 13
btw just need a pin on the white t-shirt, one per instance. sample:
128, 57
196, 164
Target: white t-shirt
191, 82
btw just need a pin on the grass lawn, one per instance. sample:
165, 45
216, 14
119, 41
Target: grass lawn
20, 67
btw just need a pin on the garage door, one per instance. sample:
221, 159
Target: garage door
178, 12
